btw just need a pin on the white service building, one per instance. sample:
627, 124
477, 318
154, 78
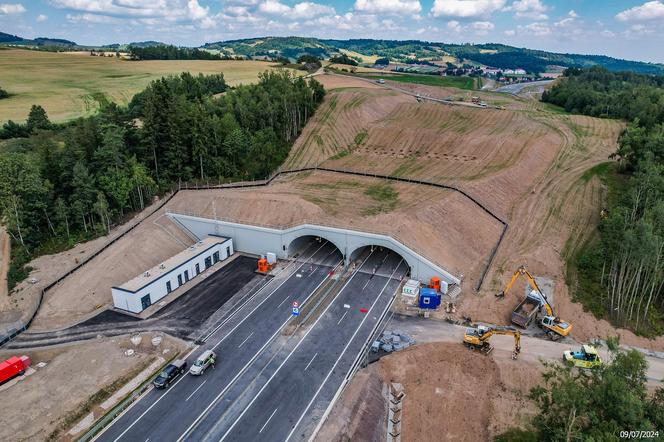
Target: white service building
144, 290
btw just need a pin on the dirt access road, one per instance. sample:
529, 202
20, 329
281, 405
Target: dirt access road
452, 393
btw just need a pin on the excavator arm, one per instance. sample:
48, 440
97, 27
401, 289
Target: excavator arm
508, 331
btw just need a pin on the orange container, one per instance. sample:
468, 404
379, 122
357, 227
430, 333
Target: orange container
435, 283
262, 265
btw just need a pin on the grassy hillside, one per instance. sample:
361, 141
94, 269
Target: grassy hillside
496, 55
72, 85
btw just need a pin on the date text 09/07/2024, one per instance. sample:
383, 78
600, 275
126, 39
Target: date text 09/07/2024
639, 434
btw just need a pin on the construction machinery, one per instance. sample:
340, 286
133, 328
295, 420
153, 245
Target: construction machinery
477, 338
536, 303
587, 357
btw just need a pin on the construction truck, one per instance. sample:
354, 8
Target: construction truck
477, 338
534, 304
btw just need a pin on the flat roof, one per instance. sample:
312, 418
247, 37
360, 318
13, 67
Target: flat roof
175, 261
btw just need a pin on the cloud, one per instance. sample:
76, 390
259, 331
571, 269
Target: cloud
41, 18
388, 6
11, 8
298, 11
568, 21
93, 18
538, 29
648, 11
171, 11
533, 9
454, 26
274, 7
466, 8
309, 9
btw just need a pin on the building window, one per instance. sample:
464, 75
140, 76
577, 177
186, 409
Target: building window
228, 251
198, 269
145, 301
179, 280
215, 257
168, 287
208, 262
186, 275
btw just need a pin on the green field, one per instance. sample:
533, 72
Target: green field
430, 80
70, 85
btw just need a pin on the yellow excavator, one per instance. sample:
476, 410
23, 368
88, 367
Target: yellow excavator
533, 303
477, 338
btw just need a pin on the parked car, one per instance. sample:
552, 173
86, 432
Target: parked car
170, 373
207, 358
587, 357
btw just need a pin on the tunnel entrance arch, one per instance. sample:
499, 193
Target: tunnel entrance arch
383, 259
307, 244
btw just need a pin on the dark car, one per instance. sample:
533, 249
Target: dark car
170, 373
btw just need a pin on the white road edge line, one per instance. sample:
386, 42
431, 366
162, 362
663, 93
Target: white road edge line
215, 346
342, 317
194, 392
329, 373
312, 359
292, 351
268, 420
245, 340
241, 372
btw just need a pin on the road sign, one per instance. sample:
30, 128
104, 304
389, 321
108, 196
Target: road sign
296, 311
295, 304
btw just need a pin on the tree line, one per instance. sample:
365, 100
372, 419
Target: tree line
170, 52
61, 183
622, 275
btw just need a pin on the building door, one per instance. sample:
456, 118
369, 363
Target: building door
186, 275
215, 257
208, 262
198, 269
168, 287
228, 251
145, 301
179, 280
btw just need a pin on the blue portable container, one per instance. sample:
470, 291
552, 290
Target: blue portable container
429, 298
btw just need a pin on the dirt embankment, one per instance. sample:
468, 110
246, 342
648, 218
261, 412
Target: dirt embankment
52, 397
452, 394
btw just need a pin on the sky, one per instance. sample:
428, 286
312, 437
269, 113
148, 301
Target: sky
630, 29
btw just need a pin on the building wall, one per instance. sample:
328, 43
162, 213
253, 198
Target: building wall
157, 289
260, 240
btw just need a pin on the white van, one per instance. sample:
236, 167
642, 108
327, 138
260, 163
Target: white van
207, 358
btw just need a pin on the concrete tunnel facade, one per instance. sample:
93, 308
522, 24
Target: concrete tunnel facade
259, 240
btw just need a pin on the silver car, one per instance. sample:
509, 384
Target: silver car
207, 358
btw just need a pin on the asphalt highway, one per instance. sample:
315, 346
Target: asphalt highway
290, 396
165, 415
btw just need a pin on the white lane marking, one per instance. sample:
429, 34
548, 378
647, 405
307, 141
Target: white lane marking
342, 317
241, 372
282, 302
245, 340
194, 392
292, 351
214, 347
268, 420
312, 359
342, 353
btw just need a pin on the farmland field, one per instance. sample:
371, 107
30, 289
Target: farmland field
76, 84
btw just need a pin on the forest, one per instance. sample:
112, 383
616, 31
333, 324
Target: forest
621, 274
170, 52
60, 184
